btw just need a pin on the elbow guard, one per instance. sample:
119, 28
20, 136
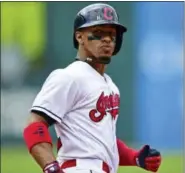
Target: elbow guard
35, 133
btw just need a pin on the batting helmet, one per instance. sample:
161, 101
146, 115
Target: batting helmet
99, 14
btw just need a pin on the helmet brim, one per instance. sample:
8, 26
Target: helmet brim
103, 22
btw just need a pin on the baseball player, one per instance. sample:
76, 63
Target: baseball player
82, 102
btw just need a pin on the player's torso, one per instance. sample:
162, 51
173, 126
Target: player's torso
88, 130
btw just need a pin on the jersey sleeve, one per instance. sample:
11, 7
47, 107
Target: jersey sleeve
57, 95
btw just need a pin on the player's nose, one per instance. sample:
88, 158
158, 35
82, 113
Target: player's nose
107, 39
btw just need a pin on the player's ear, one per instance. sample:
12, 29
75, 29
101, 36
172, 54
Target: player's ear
79, 37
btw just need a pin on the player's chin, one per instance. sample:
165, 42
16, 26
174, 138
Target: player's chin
105, 54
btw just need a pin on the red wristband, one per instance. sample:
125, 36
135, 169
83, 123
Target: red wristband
36, 133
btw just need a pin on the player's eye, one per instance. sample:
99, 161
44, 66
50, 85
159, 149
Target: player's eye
98, 34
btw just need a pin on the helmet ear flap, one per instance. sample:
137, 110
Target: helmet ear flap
75, 42
119, 38
79, 21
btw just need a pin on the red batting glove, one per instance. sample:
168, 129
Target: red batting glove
148, 159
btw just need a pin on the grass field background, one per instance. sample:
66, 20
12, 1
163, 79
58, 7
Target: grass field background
18, 160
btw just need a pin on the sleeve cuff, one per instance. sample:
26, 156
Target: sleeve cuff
47, 112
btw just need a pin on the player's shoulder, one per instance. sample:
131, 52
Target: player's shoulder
76, 66
59, 76
56, 74
69, 73
77, 70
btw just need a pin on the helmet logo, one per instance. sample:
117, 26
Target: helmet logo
98, 18
107, 13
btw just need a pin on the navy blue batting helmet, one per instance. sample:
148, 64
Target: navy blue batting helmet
99, 14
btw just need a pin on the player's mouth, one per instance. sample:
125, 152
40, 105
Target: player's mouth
106, 46
106, 49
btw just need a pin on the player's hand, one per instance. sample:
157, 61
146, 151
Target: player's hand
53, 167
148, 159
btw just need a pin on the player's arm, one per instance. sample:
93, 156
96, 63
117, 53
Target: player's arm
56, 97
126, 154
39, 142
38, 139
146, 158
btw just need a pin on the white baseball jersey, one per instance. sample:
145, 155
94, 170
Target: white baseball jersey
85, 105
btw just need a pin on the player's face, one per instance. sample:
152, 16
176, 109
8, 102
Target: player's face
99, 41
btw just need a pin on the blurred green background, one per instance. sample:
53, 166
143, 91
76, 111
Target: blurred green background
36, 38
17, 159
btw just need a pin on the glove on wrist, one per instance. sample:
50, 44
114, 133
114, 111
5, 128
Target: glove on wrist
148, 159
